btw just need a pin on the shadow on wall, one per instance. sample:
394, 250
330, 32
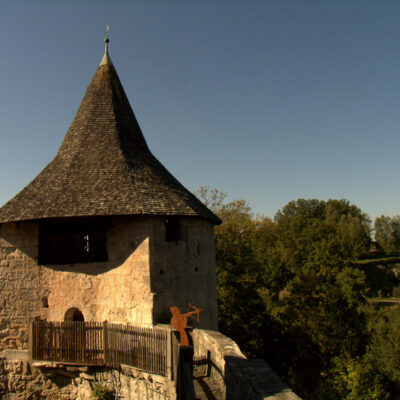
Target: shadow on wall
243, 379
254, 379
22, 236
119, 244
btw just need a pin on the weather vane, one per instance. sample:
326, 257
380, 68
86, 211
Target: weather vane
106, 39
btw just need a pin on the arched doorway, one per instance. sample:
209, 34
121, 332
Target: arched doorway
74, 336
74, 314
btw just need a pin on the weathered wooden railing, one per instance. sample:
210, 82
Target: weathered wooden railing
96, 343
143, 348
72, 342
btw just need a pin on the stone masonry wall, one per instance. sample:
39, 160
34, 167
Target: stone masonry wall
183, 271
116, 291
143, 277
21, 380
228, 372
21, 290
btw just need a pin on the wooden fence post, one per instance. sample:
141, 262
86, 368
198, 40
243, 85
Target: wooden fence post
169, 355
105, 342
30, 339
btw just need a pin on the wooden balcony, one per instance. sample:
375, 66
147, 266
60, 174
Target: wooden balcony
102, 344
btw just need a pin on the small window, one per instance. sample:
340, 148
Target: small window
70, 242
45, 302
172, 229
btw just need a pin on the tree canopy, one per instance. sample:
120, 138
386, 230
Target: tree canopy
387, 233
289, 291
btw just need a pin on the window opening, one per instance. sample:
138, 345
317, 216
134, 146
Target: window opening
45, 302
172, 229
72, 241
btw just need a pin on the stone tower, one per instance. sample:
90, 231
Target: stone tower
104, 232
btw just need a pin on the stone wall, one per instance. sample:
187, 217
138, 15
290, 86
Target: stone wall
21, 290
230, 375
117, 290
143, 277
183, 271
20, 380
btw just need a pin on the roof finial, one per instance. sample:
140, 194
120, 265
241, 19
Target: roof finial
106, 39
106, 58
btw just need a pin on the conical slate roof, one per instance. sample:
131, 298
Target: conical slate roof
103, 166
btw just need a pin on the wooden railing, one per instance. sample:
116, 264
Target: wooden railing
143, 348
96, 343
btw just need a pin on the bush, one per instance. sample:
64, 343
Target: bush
396, 291
102, 392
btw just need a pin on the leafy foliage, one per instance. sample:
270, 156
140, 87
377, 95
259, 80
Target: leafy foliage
354, 379
103, 392
387, 233
289, 291
385, 342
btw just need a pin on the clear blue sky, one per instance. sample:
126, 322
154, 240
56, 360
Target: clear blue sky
269, 101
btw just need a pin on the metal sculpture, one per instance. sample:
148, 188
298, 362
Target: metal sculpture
179, 321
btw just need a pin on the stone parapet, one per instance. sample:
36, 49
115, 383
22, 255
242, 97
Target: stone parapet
219, 362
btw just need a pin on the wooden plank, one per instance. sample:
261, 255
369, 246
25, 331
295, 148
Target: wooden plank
105, 345
82, 330
34, 342
152, 341
123, 355
92, 338
91, 347
124, 344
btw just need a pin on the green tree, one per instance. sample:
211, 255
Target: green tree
316, 243
385, 342
287, 288
387, 233
354, 379
240, 275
